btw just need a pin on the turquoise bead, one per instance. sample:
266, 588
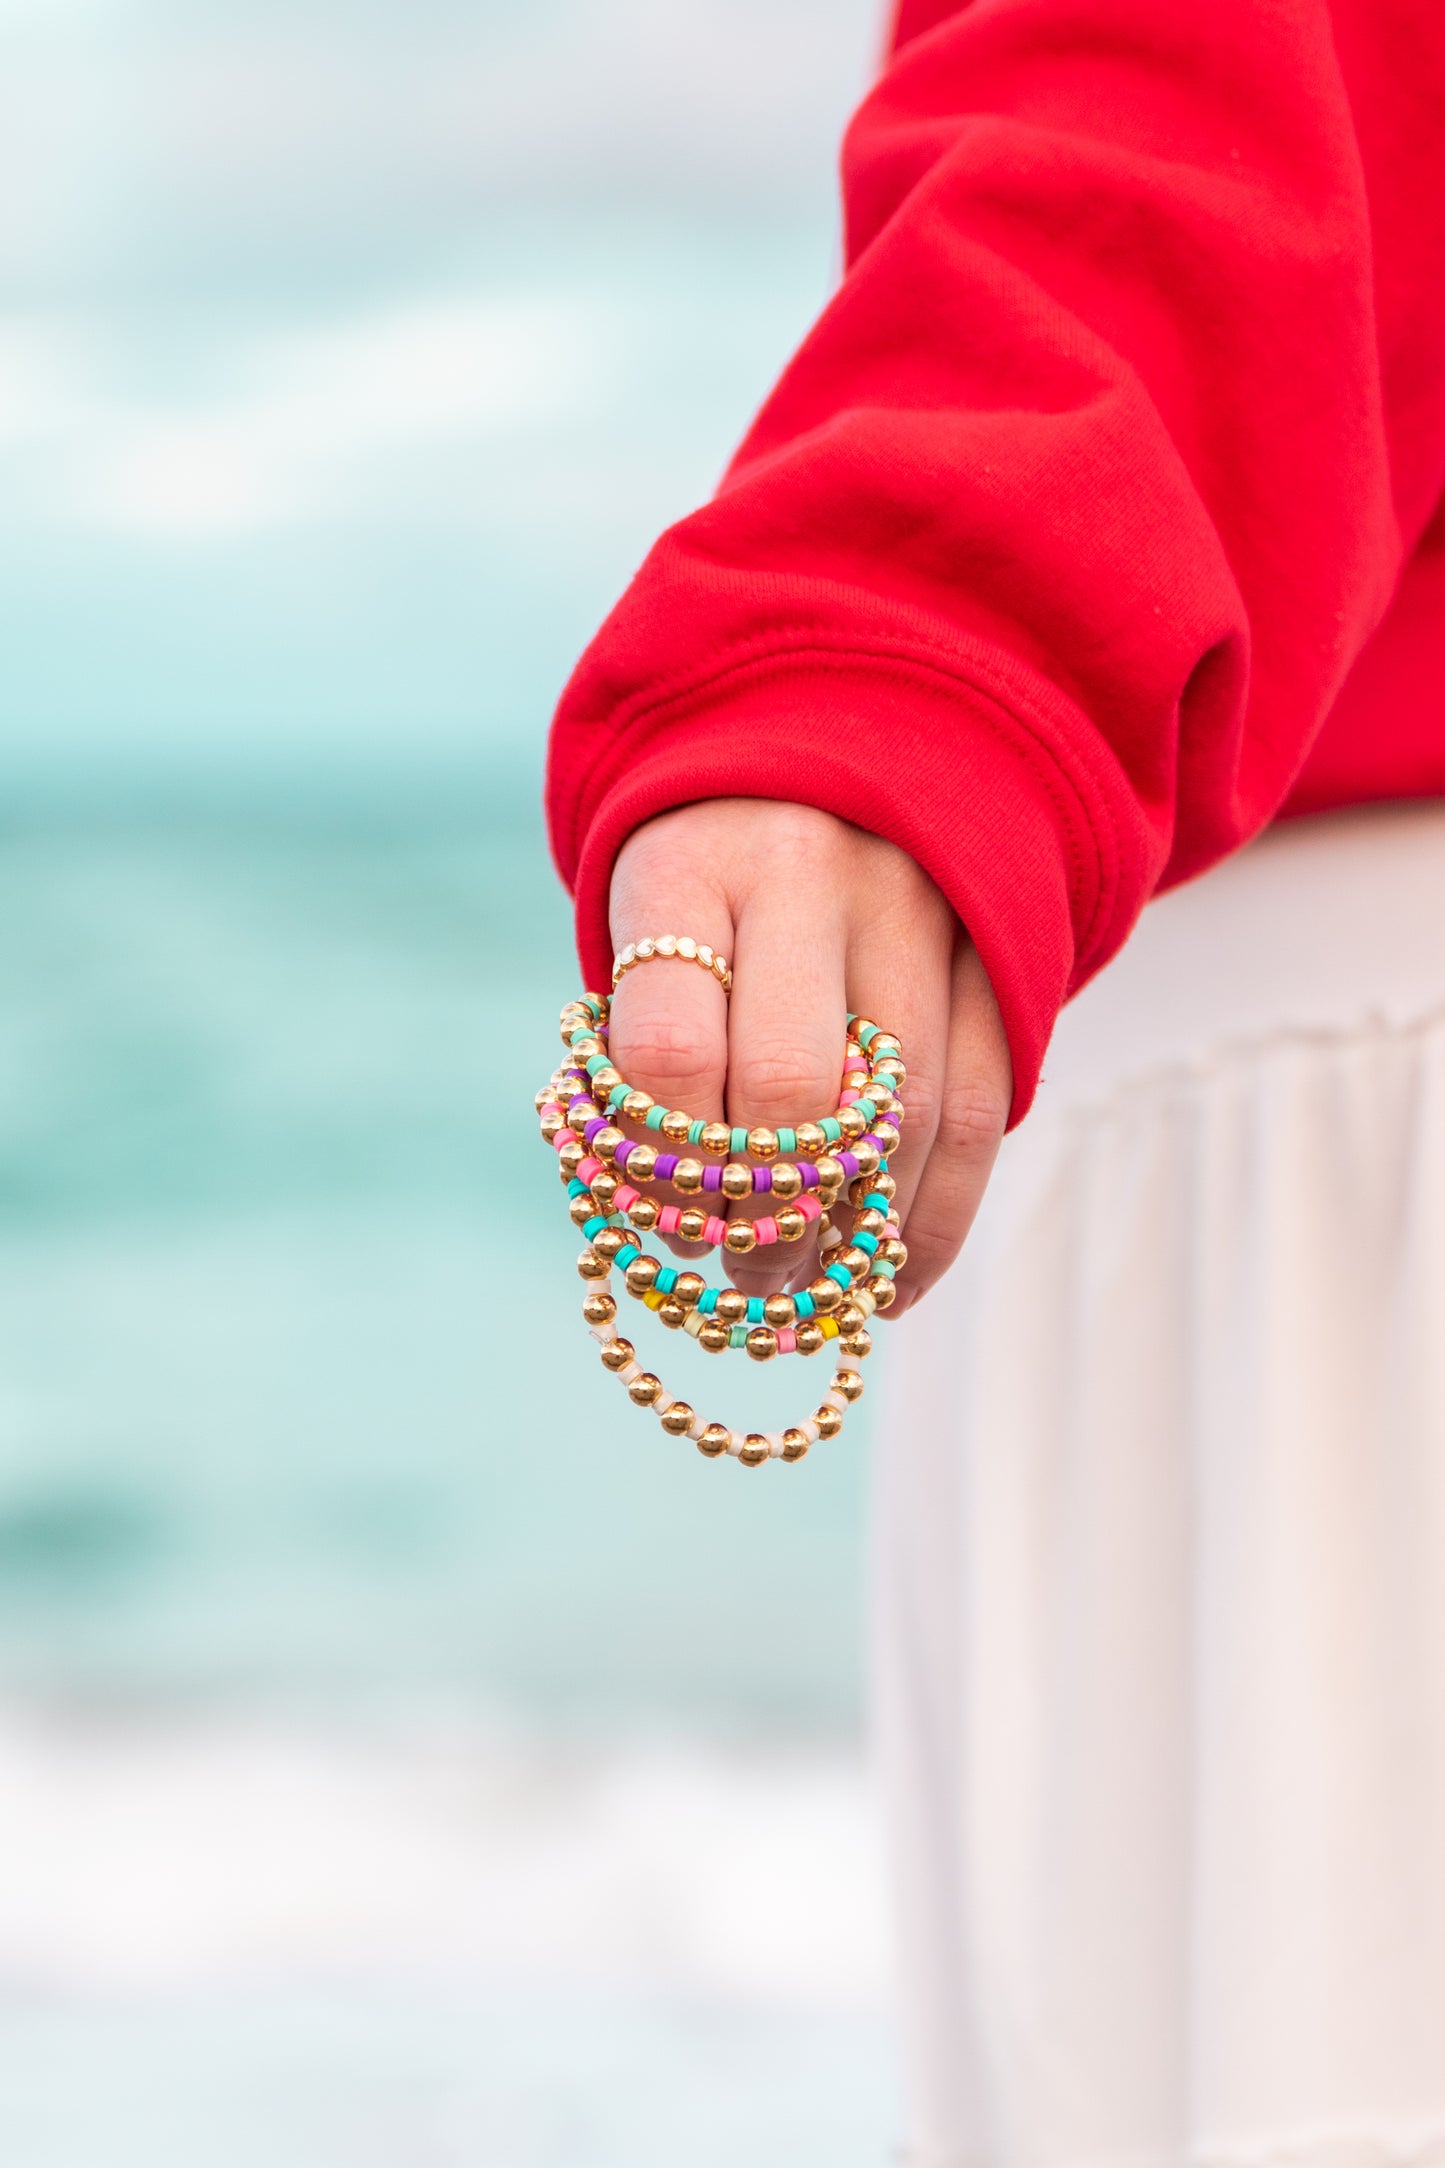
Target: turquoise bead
840, 1273
576, 1187
755, 1309
625, 1257
616, 1096
738, 1336
882, 1264
666, 1280
593, 1227
596, 1062
654, 1117
739, 1141
866, 1242
788, 1141
876, 1200
707, 1301
832, 1129
867, 1035
804, 1304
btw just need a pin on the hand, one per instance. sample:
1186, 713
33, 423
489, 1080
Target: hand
817, 917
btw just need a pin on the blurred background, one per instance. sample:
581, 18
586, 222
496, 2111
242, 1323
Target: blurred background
408, 1756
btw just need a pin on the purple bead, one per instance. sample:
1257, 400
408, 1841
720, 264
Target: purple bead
848, 1161
809, 1173
592, 1128
624, 1152
666, 1166
578, 1099
712, 1177
762, 1178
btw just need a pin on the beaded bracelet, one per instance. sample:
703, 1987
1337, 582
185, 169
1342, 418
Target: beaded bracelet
672, 944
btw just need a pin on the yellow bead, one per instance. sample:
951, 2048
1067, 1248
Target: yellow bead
762, 1344
644, 1390
795, 1444
809, 1336
617, 1354
599, 1308
737, 1180
849, 1384
677, 1420
592, 1267
741, 1237
642, 1163
828, 1326
714, 1440
755, 1450
687, 1176
763, 1143
642, 1275
716, 1138
780, 1311
652, 1300
828, 1420
787, 1181
692, 1221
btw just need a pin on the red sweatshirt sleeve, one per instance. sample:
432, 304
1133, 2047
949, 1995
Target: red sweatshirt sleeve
1052, 546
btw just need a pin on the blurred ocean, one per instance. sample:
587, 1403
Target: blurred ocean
409, 1758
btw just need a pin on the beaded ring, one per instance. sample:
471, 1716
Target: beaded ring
672, 944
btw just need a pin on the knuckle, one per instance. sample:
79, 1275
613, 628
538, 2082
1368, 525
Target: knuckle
775, 1084
972, 1117
660, 1054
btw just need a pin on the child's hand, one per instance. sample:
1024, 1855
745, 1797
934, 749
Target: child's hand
816, 917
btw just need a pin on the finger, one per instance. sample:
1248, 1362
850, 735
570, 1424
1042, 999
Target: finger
669, 1016
786, 1034
972, 1115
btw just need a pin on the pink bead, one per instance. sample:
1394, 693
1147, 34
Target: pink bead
625, 1199
715, 1231
849, 1099
668, 1218
588, 1168
809, 1206
767, 1230
787, 1341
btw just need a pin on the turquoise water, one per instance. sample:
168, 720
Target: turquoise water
295, 1395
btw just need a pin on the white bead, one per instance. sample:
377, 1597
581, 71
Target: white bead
663, 1402
687, 947
809, 1428
737, 1439
603, 1333
867, 1303
775, 1445
696, 1427
704, 954
694, 1322
633, 1370
646, 949
836, 1401
667, 944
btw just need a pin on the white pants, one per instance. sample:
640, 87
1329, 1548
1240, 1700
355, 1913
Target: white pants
1161, 1556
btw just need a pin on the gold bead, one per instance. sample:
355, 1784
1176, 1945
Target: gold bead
591, 1266
848, 1383
599, 1308
644, 1214
605, 1187
644, 1390
606, 1141
881, 1288
870, 1222
895, 1253
605, 1081
580, 1115
642, 1275
637, 1105
687, 1176
861, 1024
853, 1260
780, 1311
677, 1420
810, 1138
889, 1138
849, 1318
554, 1121
675, 1125
891, 1067
589, 1045
691, 1223
544, 1097
617, 1354
867, 1154
828, 1420
884, 1184
741, 1237
787, 1181
826, 1294
795, 1444
884, 1042
714, 1440
610, 1240
715, 1338
762, 1344
731, 1305
851, 1122
792, 1226
672, 1313
830, 1170
809, 1336
857, 1344
763, 1143
688, 1288
580, 1210
755, 1450
570, 1158
716, 1138
737, 1180
642, 1163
